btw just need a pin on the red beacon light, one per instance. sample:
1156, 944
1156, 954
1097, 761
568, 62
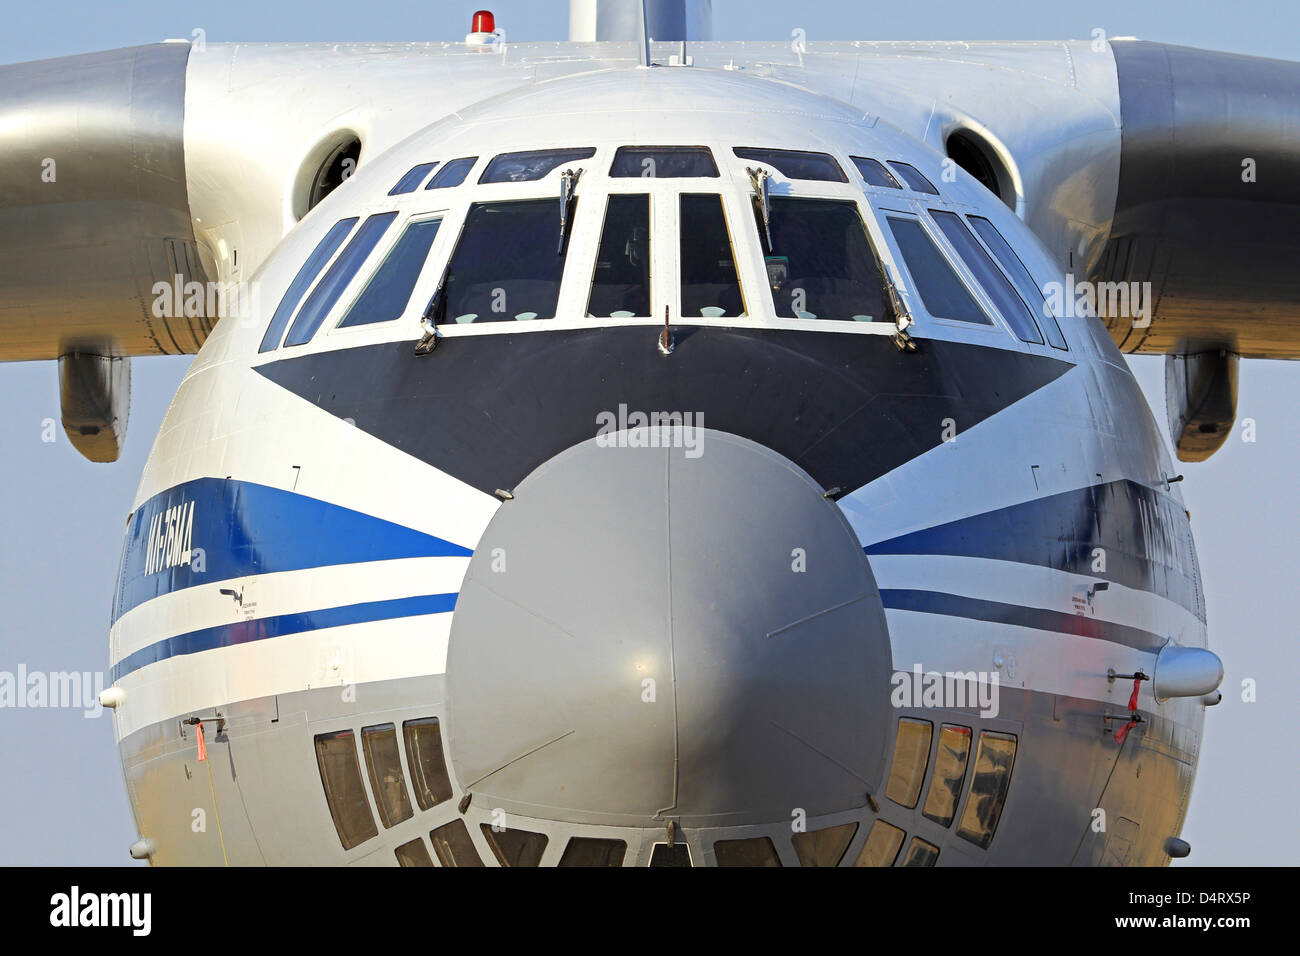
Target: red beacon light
482, 29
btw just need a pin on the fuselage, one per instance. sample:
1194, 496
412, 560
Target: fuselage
570, 585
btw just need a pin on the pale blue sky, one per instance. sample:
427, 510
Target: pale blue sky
61, 518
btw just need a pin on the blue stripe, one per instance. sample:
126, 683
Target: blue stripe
245, 632
241, 529
1145, 536
954, 605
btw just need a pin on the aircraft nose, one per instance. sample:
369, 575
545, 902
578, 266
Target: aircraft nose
648, 633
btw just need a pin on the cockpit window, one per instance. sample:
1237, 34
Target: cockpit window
389, 289
507, 264
942, 293
453, 173
912, 176
710, 285
1017, 314
620, 286
796, 164
303, 280
1030, 290
329, 289
531, 164
663, 162
822, 265
875, 173
411, 181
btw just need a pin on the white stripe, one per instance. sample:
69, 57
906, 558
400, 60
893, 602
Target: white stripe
1031, 585
330, 657
284, 592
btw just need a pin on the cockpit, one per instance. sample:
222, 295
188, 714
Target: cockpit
683, 233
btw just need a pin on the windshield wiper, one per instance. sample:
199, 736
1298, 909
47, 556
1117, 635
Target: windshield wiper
759, 179
568, 195
429, 321
902, 317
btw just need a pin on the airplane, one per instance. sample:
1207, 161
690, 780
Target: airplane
651, 449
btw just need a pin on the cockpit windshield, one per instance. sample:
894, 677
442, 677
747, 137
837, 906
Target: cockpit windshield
507, 264
822, 265
620, 286
710, 285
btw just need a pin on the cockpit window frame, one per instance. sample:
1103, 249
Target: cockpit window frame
652, 250
414, 178
451, 164
353, 292
353, 251
729, 222
449, 254
595, 192
979, 256
562, 155
906, 171
876, 263
681, 149
834, 160
994, 326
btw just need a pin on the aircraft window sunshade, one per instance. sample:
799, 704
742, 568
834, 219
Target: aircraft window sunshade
411, 181
663, 162
336, 756
911, 755
824, 847
875, 173
1008, 302
505, 266
592, 851
428, 765
988, 788
389, 289
883, 843
414, 853
822, 264
710, 284
329, 289
913, 177
1030, 290
921, 853
796, 164
526, 166
384, 765
942, 293
453, 846
620, 285
949, 771
756, 851
514, 847
303, 280
452, 173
